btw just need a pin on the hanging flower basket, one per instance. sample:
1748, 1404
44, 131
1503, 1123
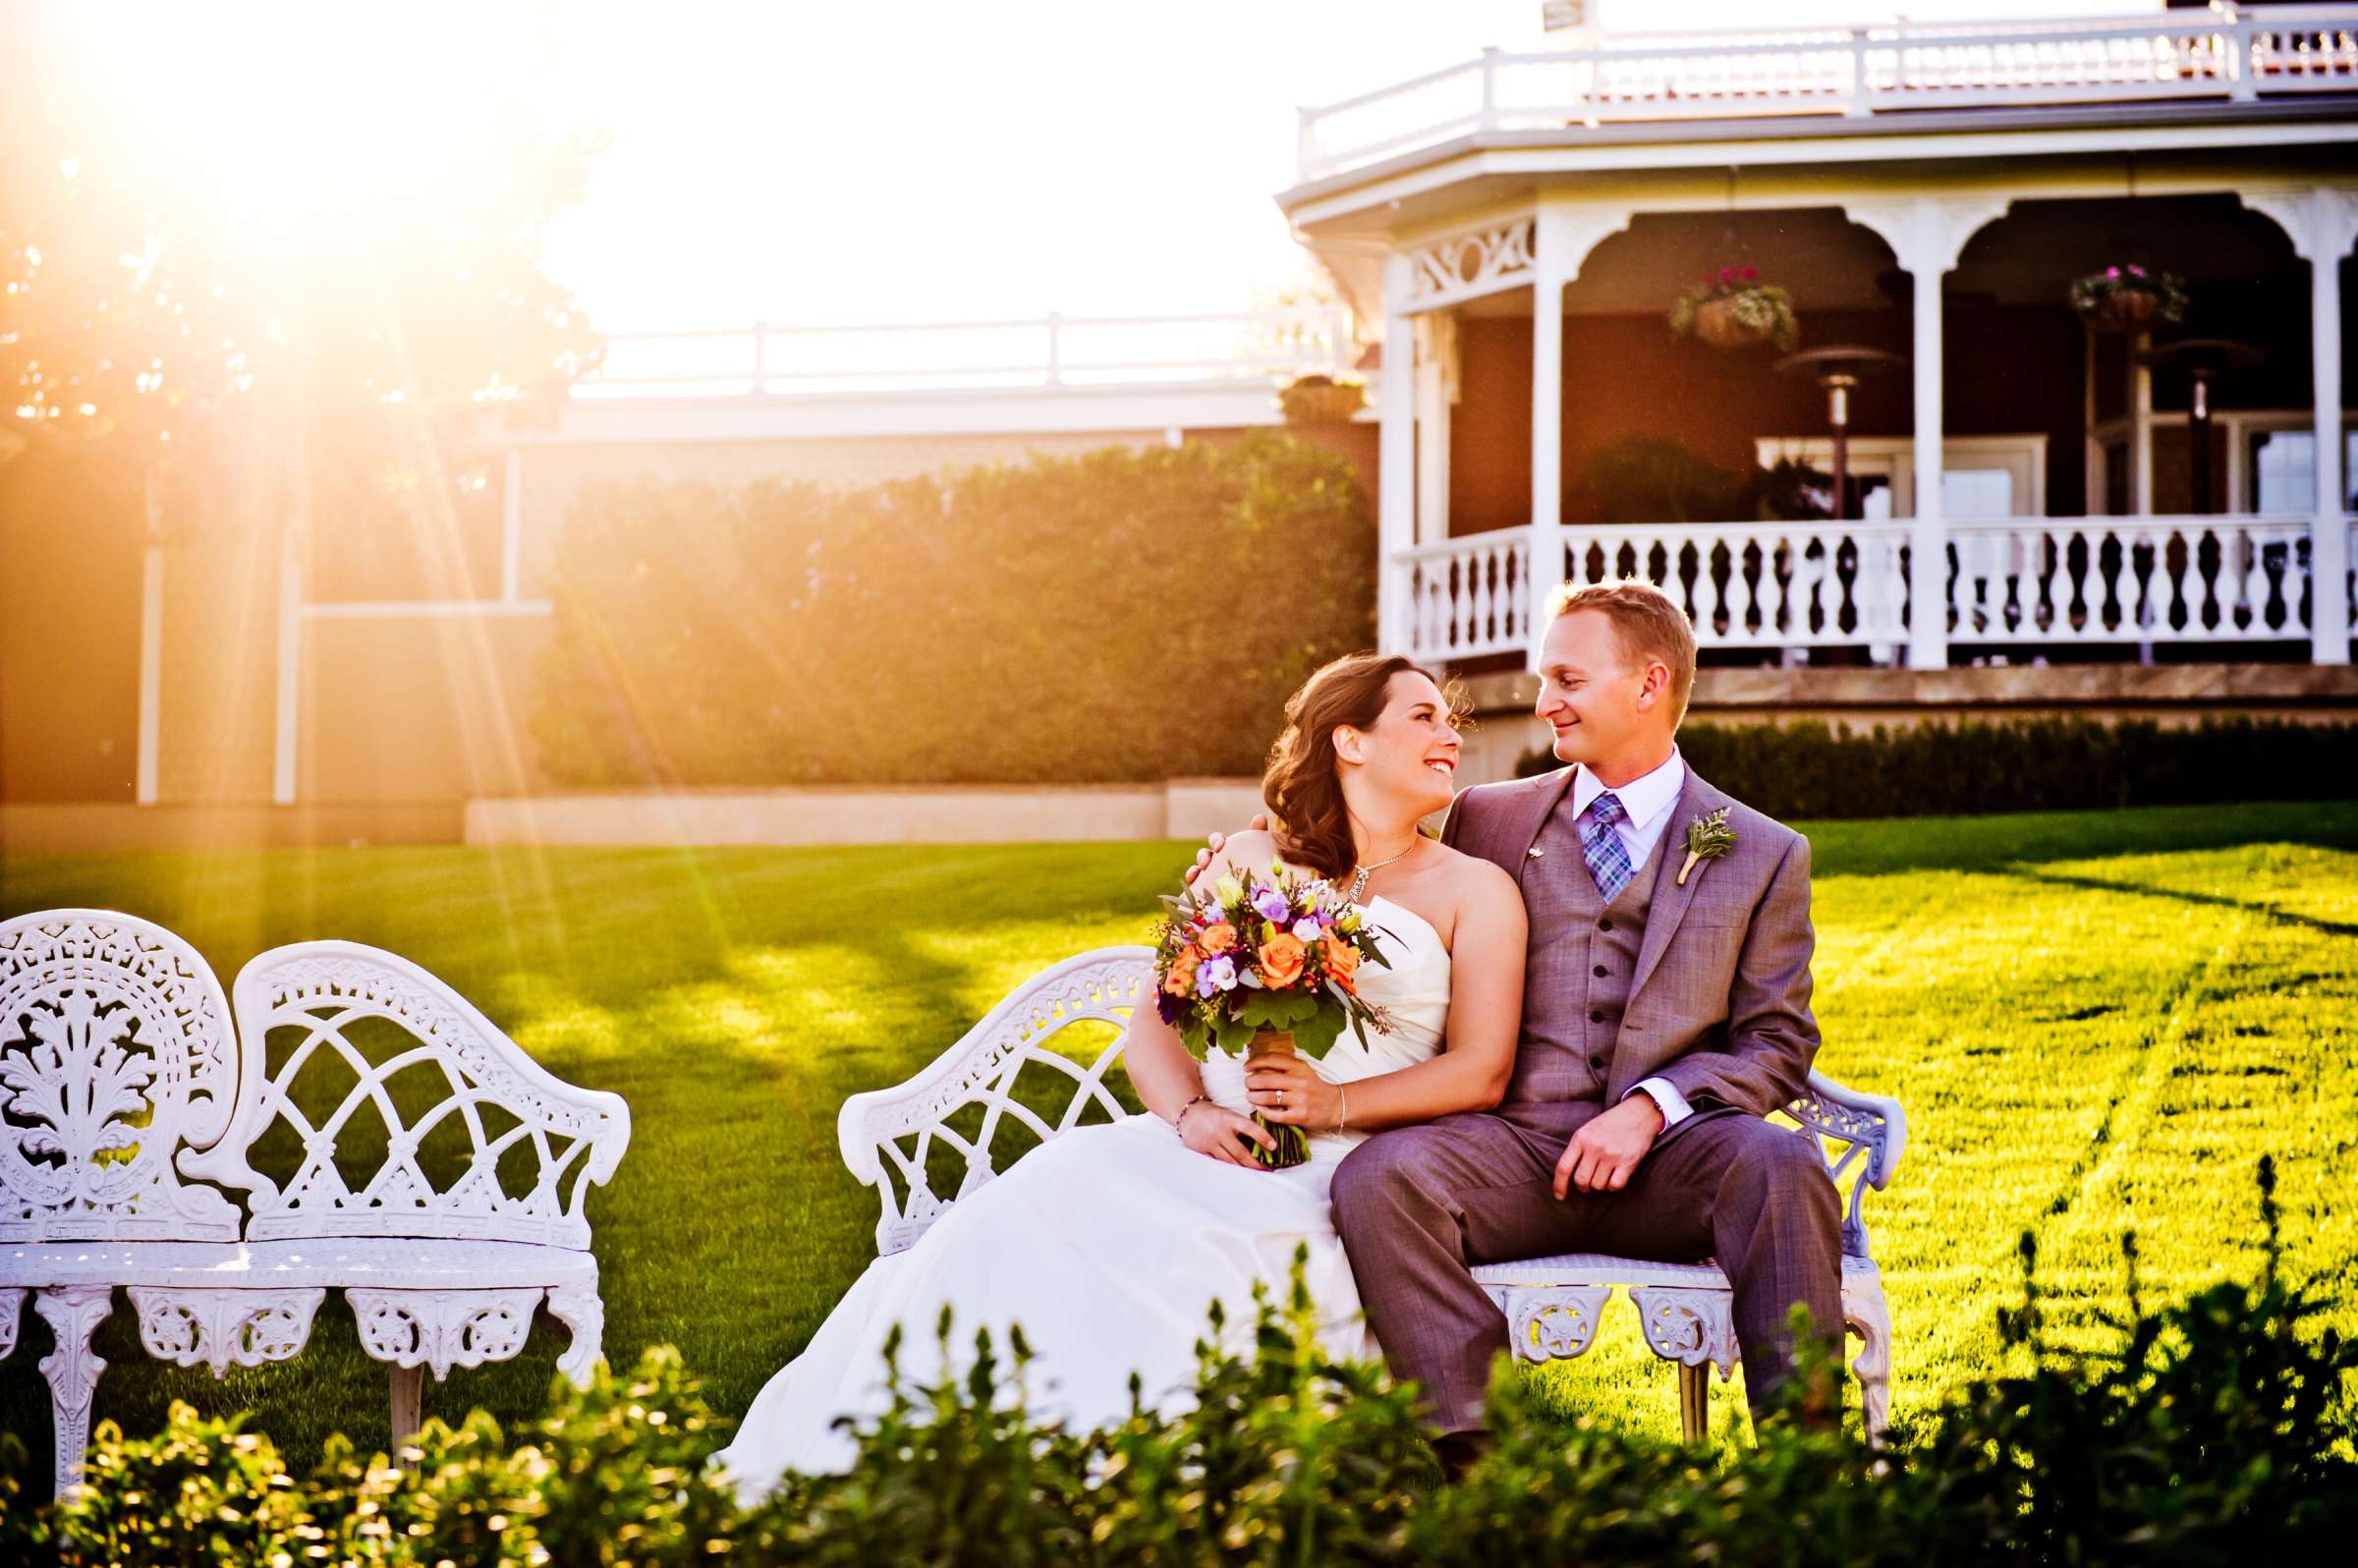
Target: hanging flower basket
1321, 399
2128, 298
1732, 308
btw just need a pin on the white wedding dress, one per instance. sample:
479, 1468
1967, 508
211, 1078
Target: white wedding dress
1107, 1245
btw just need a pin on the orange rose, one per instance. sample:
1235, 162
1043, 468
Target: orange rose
1281, 959
1342, 960
1181, 978
1218, 939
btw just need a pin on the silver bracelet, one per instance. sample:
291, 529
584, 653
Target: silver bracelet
1343, 1112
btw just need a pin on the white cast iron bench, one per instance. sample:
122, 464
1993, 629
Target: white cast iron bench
953, 1119
121, 1074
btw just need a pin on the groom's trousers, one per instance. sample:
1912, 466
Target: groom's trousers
1417, 1205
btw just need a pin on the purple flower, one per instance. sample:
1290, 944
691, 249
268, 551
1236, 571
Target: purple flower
1308, 929
2136, 271
2111, 272
1270, 904
1215, 975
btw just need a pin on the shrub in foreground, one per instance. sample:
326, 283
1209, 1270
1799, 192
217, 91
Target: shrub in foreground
2214, 1430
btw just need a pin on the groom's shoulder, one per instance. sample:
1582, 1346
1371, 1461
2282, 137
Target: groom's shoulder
1755, 829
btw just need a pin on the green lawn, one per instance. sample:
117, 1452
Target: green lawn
2096, 1022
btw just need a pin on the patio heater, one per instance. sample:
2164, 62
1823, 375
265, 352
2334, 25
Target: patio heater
2203, 360
1837, 370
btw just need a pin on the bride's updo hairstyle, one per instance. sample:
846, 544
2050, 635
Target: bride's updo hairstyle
1302, 784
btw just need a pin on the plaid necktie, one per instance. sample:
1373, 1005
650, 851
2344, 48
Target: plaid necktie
1601, 847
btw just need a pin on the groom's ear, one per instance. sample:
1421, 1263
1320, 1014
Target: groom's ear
1654, 689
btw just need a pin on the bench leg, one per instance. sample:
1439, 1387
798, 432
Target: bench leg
75, 1312
1866, 1313
409, 1383
11, 1302
577, 1308
1695, 1401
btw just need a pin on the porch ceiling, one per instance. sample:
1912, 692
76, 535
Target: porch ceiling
1830, 264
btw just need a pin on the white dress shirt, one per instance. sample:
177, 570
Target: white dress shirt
1646, 804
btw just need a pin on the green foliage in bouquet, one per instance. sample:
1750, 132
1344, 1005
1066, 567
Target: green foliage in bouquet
1249, 955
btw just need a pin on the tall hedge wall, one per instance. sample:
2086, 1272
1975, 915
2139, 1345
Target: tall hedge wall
1123, 615
1810, 769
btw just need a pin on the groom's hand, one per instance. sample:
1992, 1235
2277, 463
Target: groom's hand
1214, 845
1604, 1153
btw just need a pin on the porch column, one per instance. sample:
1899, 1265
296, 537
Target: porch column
1436, 393
1396, 458
1926, 235
1548, 277
2332, 216
1928, 534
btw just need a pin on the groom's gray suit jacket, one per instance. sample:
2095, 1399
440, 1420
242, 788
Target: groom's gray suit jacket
1707, 985
1718, 1001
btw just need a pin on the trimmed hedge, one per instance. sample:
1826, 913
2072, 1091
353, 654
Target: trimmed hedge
1122, 615
2213, 1432
1812, 769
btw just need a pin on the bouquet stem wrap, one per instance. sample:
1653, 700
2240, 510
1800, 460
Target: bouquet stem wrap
1293, 1149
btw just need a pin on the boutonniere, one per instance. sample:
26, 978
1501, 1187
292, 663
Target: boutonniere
1707, 838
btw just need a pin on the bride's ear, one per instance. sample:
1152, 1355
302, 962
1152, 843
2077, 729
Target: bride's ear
1350, 745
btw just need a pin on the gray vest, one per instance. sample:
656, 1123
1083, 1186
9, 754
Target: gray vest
1583, 952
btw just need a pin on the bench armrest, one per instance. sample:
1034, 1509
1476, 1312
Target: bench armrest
1870, 1125
870, 1130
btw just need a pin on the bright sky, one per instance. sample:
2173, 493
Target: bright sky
834, 162
869, 162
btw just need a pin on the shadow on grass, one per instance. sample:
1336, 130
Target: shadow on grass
2181, 895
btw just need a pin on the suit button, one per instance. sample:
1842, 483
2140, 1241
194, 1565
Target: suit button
1596, 1064
1605, 925
1601, 971
1596, 1015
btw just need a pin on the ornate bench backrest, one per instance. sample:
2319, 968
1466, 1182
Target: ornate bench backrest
976, 1097
468, 1136
116, 1055
887, 1135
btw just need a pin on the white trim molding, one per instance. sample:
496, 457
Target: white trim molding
1468, 265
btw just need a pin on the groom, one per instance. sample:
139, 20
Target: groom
1666, 1012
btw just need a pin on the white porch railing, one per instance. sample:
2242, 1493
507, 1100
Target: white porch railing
2019, 582
1042, 351
1855, 72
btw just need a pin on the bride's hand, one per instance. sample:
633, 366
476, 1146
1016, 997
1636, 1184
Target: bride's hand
1285, 1087
1214, 845
1213, 1130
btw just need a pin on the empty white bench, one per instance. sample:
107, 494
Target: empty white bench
967, 1103
121, 1075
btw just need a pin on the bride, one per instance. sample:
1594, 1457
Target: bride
1109, 1244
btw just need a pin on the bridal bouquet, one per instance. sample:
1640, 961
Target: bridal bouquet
1266, 965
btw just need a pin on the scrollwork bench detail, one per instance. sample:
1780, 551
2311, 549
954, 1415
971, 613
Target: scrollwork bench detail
1554, 1305
123, 1070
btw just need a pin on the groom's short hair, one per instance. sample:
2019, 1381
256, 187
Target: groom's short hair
1649, 623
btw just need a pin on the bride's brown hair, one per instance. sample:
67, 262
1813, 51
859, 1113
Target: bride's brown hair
1302, 784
